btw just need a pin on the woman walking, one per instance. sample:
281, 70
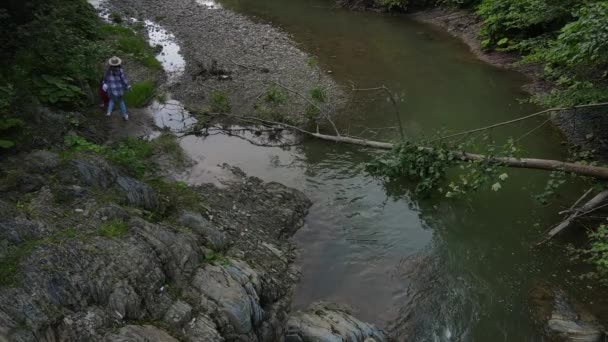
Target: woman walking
116, 84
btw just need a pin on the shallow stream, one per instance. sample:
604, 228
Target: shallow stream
450, 270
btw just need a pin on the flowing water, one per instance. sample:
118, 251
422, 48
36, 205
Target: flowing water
445, 269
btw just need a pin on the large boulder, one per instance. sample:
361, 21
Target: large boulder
203, 227
325, 322
561, 318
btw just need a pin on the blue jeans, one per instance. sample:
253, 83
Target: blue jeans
121, 102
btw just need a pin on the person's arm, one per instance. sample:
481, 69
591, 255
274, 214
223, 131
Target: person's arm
123, 77
104, 83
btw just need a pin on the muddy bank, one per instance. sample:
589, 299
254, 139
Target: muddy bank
229, 54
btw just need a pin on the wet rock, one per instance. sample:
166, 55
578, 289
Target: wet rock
178, 314
124, 302
201, 226
41, 161
112, 212
140, 333
238, 302
95, 172
138, 193
202, 328
86, 285
82, 326
69, 193
561, 318
329, 322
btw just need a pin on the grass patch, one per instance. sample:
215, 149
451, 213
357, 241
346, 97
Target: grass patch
168, 144
318, 94
113, 229
216, 258
174, 196
275, 95
125, 40
10, 263
132, 44
131, 153
151, 62
220, 103
140, 94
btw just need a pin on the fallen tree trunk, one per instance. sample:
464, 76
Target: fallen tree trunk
526, 163
593, 204
597, 172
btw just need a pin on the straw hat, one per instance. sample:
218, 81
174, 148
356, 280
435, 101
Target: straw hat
115, 61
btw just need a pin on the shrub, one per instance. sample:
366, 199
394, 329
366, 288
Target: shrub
116, 17
597, 253
509, 21
56, 47
140, 94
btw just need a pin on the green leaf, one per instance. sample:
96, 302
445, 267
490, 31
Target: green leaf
503, 41
6, 143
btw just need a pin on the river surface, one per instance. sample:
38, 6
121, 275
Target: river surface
448, 270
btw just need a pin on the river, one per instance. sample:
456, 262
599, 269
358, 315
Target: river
451, 270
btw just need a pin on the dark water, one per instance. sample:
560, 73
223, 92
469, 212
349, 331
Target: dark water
460, 269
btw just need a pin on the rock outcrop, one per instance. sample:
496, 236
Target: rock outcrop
86, 255
330, 322
563, 319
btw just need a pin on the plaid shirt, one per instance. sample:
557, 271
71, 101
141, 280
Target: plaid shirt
117, 82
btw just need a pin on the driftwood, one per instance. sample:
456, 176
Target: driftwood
593, 204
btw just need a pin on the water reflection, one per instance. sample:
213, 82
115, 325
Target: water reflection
170, 56
209, 3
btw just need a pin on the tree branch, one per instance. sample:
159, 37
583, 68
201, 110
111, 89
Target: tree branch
546, 111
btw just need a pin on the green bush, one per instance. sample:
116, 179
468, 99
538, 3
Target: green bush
569, 37
597, 253
140, 94
392, 5
510, 21
55, 46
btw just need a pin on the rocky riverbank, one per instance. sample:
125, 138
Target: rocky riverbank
90, 253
